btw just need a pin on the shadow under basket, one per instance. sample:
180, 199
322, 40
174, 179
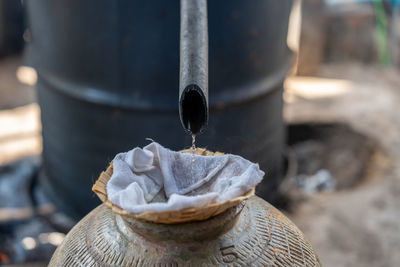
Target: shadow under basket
173, 216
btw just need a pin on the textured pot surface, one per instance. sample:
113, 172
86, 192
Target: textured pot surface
251, 234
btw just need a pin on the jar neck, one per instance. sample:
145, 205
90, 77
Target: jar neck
192, 231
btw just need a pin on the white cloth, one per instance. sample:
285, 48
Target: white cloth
157, 179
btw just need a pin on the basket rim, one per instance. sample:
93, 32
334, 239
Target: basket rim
168, 217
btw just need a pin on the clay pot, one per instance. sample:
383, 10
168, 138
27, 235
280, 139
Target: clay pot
244, 231
252, 233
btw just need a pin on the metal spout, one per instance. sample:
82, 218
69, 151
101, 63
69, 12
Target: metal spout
193, 83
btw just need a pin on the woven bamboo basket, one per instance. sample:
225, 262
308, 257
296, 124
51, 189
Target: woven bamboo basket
168, 217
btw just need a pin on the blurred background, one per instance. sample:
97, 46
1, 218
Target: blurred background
307, 88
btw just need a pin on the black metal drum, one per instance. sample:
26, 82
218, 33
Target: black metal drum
109, 79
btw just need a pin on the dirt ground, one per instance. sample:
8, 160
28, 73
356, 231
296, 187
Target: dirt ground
359, 226
20, 127
13, 93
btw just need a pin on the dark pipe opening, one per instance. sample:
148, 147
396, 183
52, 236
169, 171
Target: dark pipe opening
193, 109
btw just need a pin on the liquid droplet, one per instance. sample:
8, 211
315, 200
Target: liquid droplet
193, 152
193, 143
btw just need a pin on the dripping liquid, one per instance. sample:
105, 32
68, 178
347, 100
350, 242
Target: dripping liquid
193, 145
193, 152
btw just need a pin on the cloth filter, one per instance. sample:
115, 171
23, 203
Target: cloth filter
158, 179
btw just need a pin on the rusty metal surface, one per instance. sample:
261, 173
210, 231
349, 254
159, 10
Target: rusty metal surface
257, 235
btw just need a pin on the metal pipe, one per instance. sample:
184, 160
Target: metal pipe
193, 83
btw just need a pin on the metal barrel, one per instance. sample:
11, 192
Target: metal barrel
108, 77
11, 27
